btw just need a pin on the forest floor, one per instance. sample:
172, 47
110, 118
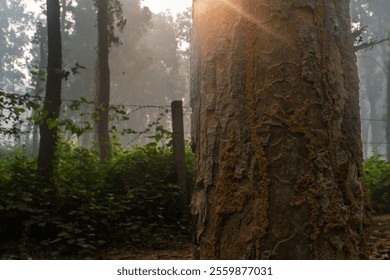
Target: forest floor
172, 251
379, 239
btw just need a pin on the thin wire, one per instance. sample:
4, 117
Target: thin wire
374, 120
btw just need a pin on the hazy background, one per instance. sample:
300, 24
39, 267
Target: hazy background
150, 66
373, 66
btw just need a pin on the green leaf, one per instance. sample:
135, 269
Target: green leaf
158, 137
27, 199
52, 123
71, 241
19, 111
42, 224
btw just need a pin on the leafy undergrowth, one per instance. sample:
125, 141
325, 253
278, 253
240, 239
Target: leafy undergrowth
127, 208
132, 201
377, 178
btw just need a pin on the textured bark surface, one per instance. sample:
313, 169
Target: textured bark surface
276, 131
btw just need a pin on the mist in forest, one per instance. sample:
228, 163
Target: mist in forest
88, 163
149, 67
373, 18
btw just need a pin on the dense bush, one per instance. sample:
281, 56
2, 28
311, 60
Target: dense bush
133, 199
377, 177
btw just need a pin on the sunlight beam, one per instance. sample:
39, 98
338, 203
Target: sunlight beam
261, 16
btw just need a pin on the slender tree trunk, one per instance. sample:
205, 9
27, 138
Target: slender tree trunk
375, 124
276, 131
388, 110
365, 128
63, 15
373, 96
52, 103
39, 83
103, 81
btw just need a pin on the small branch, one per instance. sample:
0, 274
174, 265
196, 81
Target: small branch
358, 32
369, 44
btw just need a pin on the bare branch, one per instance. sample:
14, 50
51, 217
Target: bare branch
358, 32
370, 44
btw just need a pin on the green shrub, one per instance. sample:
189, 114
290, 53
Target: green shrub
24, 198
147, 175
376, 174
88, 205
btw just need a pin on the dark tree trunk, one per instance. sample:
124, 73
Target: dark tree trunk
276, 131
103, 82
388, 109
52, 103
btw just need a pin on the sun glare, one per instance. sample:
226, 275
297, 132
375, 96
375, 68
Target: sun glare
175, 6
260, 17
231, 4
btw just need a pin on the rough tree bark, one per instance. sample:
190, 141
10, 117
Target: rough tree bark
103, 81
276, 131
52, 103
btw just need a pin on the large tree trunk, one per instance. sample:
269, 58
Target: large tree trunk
52, 103
103, 81
276, 131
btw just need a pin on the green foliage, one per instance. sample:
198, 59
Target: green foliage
91, 205
25, 199
12, 111
377, 177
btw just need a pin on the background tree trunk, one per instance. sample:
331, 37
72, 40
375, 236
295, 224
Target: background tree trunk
103, 81
388, 108
276, 131
52, 103
41, 36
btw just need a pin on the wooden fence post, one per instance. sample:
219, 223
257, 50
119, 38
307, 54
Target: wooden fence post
178, 145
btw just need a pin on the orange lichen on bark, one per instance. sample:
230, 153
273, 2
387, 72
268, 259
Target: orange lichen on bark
323, 42
334, 217
269, 107
229, 198
306, 189
261, 205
